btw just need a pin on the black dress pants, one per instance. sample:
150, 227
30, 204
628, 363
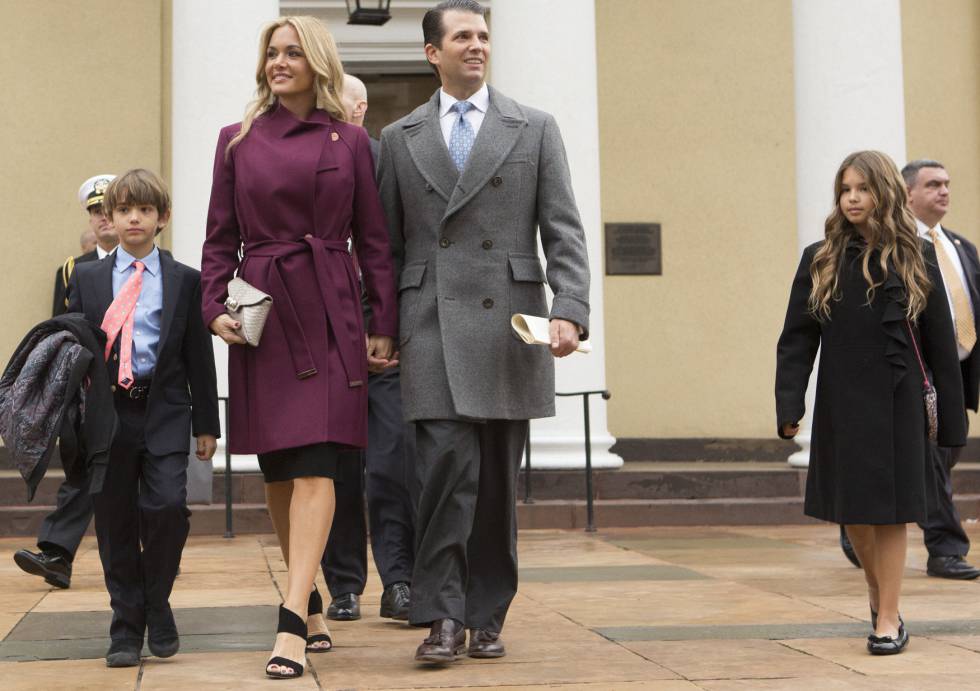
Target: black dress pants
391, 482
466, 555
943, 529
62, 529
389, 477
143, 495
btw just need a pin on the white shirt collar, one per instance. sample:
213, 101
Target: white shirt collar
924, 230
101, 253
480, 100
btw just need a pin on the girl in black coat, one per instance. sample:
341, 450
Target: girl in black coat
861, 295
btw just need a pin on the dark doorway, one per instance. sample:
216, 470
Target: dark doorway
391, 96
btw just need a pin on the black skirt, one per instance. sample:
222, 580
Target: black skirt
313, 460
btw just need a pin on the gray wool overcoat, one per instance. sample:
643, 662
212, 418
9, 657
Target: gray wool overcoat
465, 250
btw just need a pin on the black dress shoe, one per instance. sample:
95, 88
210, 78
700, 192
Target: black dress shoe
52, 567
346, 607
951, 567
485, 643
161, 628
848, 549
886, 645
395, 600
446, 642
123, 653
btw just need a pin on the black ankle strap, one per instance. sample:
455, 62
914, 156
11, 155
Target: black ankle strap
290, 622
316, 603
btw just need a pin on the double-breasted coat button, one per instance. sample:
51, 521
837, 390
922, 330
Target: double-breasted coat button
444, 243
496, 181
112, 387
487, 244
115, 357
487, 303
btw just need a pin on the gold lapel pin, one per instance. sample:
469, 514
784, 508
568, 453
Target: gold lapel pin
334, 136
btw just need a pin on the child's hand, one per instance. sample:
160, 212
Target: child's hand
206, 446
790, 430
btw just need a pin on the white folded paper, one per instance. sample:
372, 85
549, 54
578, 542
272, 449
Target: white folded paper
536, 331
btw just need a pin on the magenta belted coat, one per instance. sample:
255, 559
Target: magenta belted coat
290, 194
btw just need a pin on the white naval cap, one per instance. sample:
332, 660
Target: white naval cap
93, 190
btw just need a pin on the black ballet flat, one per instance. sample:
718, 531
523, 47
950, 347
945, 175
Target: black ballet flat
886, 645
289, 622
316, 607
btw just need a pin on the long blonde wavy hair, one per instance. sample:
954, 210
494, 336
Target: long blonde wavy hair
321, 52
892, 231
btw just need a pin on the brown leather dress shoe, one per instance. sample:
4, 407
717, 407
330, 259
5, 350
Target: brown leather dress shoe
445, 642
485, 643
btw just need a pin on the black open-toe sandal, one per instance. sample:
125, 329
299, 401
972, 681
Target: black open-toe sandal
289, 622
316, 607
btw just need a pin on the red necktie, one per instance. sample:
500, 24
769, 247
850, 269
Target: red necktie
119, 317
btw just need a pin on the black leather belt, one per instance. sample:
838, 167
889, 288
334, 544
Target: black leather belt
139, 391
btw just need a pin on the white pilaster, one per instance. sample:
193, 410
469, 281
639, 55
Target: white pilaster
215, 49
542, 78
849, 96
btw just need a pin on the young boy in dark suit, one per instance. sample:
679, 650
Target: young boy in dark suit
161, 360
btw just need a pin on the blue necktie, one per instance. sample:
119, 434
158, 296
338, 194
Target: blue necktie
462, 136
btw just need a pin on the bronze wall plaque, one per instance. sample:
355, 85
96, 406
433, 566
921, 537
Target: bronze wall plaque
633, 249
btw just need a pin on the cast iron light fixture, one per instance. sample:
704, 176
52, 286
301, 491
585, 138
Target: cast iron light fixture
371, 12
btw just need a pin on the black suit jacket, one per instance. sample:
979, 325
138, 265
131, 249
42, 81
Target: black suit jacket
60, 304
184, 391
967, 252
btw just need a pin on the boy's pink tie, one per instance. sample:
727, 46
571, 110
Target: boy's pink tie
119, 317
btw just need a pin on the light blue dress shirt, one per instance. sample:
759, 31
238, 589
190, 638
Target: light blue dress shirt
149, 308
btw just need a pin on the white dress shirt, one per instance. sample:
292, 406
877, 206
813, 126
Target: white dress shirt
954, 257
101, 253
474, 116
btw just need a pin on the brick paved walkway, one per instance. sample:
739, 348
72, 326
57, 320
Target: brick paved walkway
653, 608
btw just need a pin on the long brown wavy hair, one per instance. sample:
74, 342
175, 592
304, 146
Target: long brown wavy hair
321, 52
892, 231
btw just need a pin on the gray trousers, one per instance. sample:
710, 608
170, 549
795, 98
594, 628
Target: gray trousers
466, 534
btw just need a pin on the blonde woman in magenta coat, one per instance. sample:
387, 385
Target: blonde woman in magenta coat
292, 183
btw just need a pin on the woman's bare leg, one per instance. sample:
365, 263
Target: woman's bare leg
310, 515
862, 538
891, 544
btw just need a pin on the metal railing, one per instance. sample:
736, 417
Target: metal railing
528, 499
589, 491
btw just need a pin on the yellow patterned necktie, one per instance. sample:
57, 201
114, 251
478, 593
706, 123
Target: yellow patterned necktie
966, 332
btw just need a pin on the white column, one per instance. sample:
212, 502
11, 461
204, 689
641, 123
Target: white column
849, 96
559, 76
215, 49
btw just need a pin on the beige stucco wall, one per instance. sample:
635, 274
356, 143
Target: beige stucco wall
697, 133
941, 54
82, 96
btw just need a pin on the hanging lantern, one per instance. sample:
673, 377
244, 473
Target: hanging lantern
371, 12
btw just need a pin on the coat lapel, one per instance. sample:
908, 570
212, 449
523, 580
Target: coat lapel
502, 127
171, 288
103, 282
426, 146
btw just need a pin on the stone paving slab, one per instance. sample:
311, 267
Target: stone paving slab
759, 607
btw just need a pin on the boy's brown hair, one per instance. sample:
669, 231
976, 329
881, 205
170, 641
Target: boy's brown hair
136, 187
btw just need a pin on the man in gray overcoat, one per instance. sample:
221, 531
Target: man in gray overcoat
466, 181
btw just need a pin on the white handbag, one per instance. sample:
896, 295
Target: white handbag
250, 307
